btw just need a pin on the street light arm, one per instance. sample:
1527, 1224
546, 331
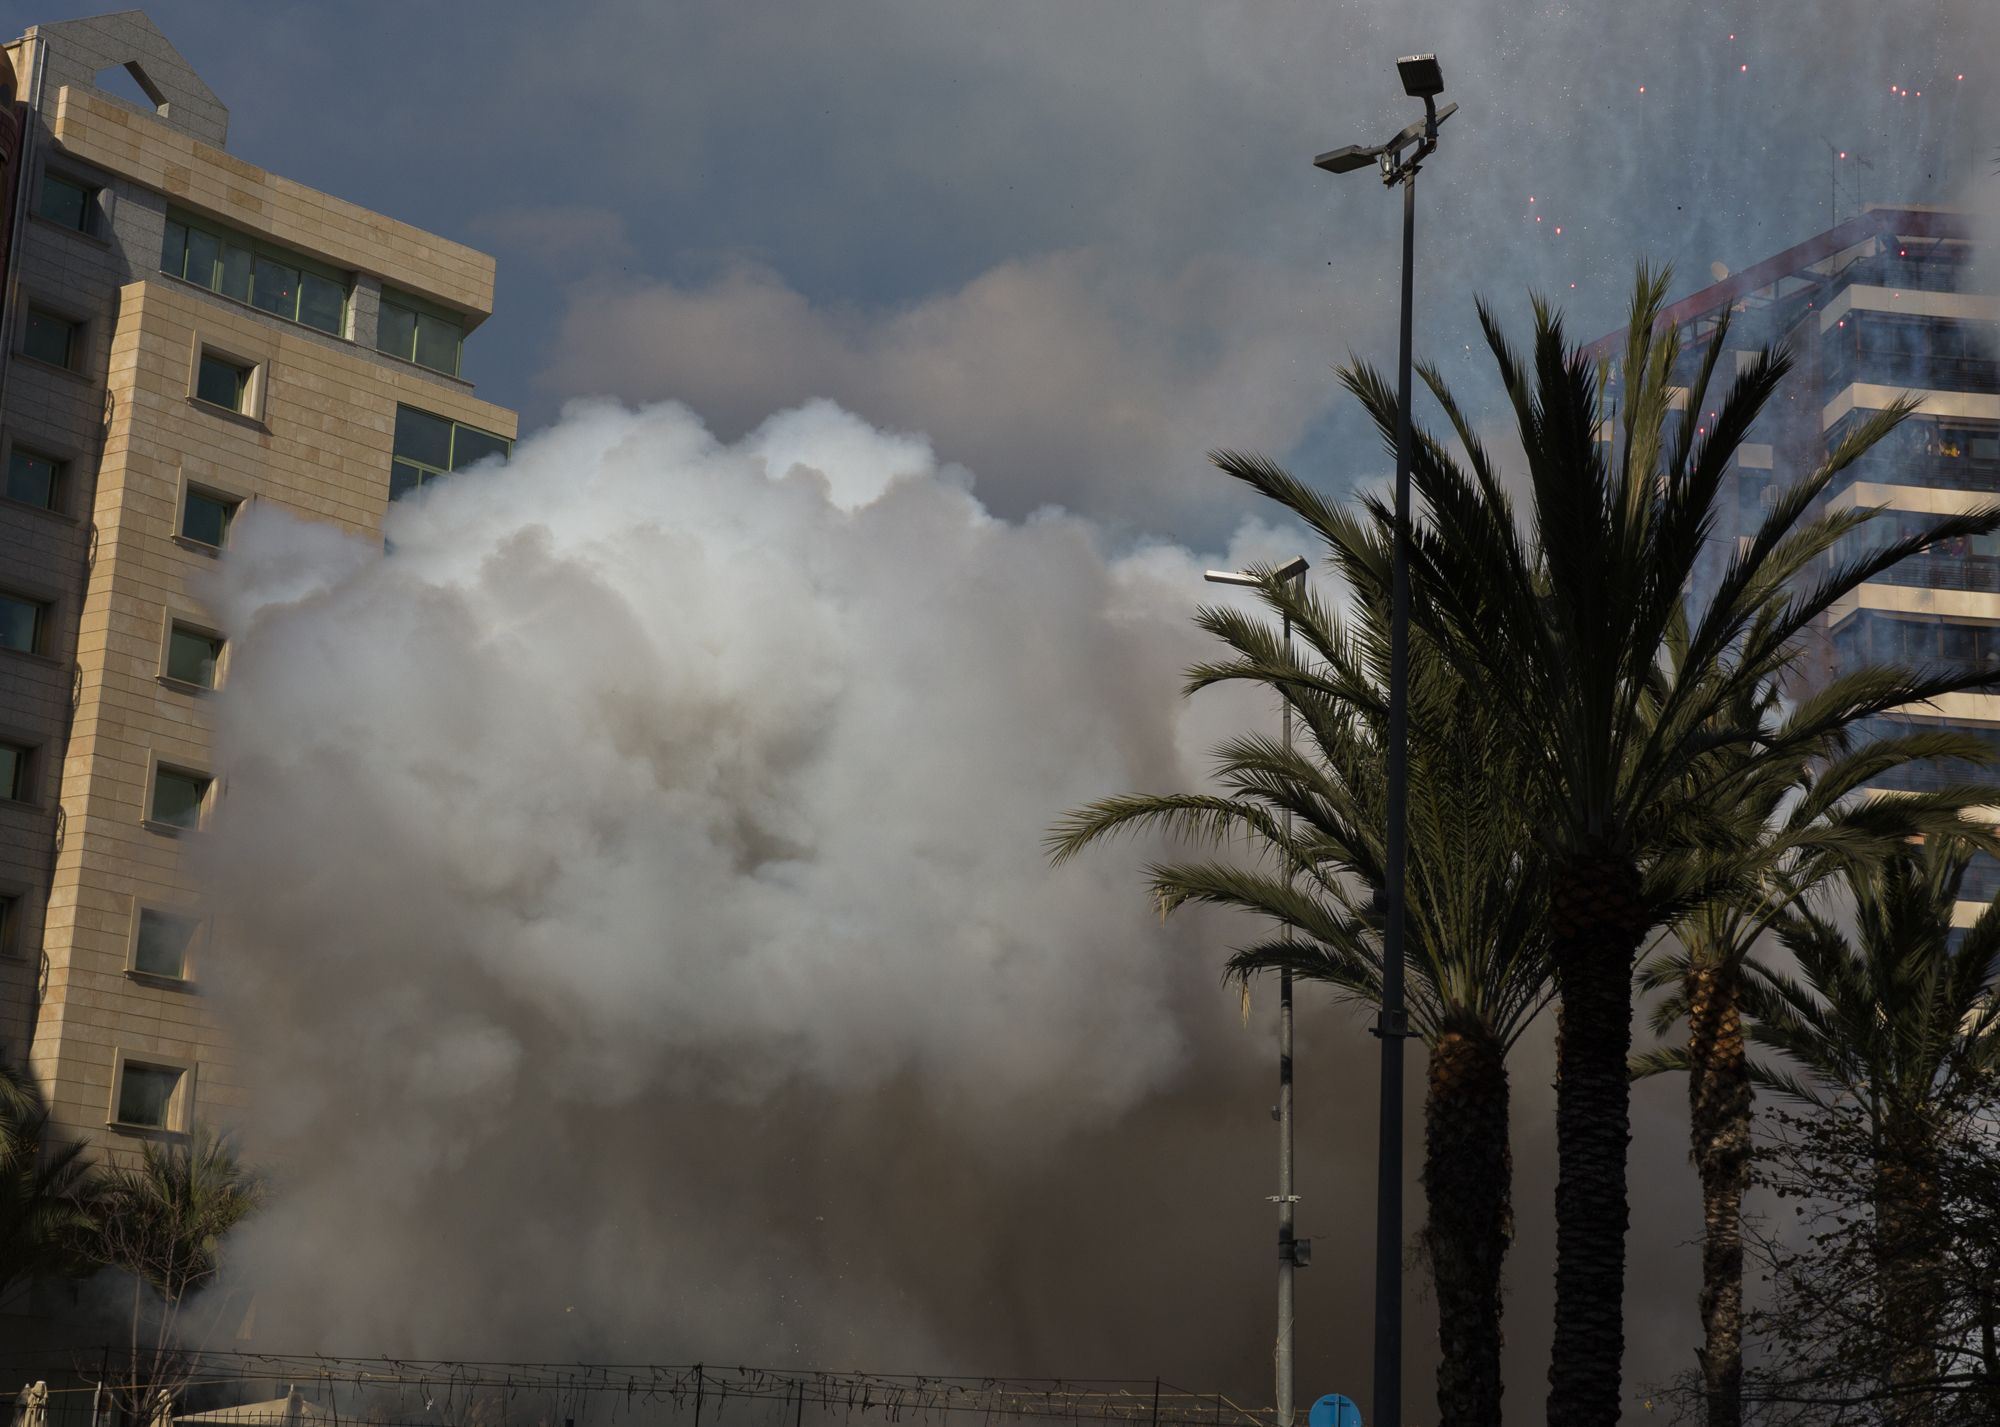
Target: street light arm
1425, 129
1413, 131
1422, 133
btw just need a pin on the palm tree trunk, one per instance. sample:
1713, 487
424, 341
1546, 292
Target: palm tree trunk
1468, 1172
1909, 1277
1989, 1347
1597, 920
1719, 1107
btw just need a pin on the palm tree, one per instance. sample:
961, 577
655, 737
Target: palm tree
1804, 823
46, 1192
1892, 1022
1477, 953
1567, 630
162, 1222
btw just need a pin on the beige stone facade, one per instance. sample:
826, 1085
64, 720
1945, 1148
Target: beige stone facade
107, 713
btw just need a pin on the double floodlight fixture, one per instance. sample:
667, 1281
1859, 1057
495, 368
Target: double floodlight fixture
1422, 79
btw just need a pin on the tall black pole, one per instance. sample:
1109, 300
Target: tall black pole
1287, 1253
1389, 1165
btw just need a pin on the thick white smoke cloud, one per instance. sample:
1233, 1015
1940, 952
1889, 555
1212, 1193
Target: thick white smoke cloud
645, 857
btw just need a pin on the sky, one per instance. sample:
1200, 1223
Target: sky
655, 993
1077, 245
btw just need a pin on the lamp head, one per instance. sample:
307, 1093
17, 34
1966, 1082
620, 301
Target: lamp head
1348, 159
1290, 570
1422, 78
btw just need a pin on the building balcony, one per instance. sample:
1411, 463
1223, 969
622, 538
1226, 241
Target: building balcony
1937, 571
1931, 775
1937, 472
1843, 365
1925, 274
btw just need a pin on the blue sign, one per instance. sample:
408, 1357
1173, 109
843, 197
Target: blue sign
1333, 1410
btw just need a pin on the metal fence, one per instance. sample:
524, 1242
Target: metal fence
396, 1392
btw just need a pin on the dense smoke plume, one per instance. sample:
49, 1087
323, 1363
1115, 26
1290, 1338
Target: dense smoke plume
633, 906
636, 914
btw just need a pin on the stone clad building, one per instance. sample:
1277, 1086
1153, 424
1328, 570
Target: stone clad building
1897, 299
184, 334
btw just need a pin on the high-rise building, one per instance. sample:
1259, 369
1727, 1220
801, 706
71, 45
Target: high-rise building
1896, 300
185, 334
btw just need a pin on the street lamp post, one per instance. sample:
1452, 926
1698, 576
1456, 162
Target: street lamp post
1292, 1251
1399, 160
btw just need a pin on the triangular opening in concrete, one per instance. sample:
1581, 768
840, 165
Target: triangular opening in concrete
129, 82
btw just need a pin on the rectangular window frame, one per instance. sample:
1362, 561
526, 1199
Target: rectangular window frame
190, 958
169, 626
250, 392
224, 238
422, 472
95, 221
79, 337
63, 463
208, 490
204, 808
27, 763
422, 310
179, 1116
44, 611
13, 917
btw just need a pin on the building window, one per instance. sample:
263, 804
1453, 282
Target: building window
65, 201
160, 943
193, 656
23, 623
430, 446
417, 332
148, 1096
34, 479
206, 517
270, 279
222, 382
179, 797
10, 923
52, 339
14, 772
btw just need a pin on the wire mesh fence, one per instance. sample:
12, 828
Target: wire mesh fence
310, 1390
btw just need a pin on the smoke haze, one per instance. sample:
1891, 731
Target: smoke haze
632, 898
632, 894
